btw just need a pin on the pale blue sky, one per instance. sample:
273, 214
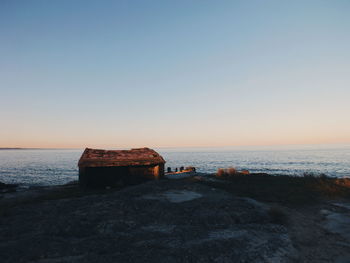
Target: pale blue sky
174, 73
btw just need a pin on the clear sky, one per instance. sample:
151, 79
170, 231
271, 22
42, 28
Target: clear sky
164, 73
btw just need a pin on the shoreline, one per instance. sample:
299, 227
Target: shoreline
23, 186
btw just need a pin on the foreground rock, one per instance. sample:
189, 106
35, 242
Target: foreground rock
185, 220
5, 188
164, 221
338, 220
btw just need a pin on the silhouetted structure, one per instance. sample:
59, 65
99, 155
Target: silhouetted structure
100, 168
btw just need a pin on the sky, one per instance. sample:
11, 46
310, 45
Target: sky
161, 73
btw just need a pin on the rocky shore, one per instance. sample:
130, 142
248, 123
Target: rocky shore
185, 220
5, 188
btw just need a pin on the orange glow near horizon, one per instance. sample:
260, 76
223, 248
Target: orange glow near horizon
180, 144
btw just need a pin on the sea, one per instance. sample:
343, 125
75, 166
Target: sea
34, 167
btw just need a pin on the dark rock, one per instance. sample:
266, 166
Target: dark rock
4, 188
159, 221
7, 186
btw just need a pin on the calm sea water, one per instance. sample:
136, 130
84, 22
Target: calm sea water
48, 167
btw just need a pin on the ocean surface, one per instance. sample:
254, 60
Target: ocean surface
50, 166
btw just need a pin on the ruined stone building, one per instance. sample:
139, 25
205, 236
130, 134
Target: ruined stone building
100, 168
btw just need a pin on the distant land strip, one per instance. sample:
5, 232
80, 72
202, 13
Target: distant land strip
18, 148
11, 148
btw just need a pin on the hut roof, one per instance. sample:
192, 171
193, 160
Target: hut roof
133, 157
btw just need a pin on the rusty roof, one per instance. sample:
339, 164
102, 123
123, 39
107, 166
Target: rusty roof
133, 157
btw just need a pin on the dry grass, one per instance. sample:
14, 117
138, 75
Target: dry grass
221, 172
226, 172
231, 171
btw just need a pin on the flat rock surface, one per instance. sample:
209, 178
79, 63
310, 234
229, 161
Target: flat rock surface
160, 221
338, 222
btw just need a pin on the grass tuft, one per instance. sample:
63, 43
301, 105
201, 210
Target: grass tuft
231, 171
221, 172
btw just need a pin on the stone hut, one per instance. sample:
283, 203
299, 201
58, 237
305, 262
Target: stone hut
101, 168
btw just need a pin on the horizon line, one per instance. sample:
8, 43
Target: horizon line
174, 147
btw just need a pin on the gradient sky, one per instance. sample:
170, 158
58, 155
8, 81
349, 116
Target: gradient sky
174, 73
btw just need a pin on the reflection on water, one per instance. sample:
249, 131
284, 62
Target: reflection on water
45, 167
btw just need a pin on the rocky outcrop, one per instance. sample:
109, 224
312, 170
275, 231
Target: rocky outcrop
4, 188
159, 221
